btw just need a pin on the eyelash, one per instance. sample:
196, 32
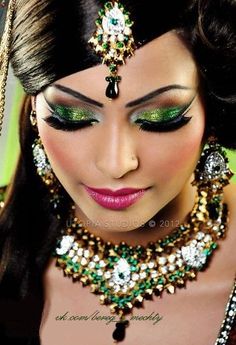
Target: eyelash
55, 121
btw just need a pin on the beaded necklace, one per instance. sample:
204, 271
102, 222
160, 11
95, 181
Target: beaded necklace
123, 275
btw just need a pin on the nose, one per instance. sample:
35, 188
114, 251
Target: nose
116, 153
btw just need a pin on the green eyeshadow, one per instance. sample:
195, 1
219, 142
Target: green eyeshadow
72, 113
161, 115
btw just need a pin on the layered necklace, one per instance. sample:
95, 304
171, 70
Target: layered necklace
123, 275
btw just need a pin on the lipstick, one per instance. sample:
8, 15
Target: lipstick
115, 200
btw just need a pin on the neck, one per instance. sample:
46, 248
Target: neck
162, 224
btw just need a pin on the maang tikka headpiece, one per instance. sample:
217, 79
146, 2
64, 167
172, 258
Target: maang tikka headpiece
113, 41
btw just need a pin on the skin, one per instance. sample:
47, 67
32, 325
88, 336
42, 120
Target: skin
115, 154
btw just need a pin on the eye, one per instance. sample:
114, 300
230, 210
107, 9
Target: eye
69, 118
164, 119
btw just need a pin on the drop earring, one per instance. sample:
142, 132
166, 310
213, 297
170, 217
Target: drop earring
44, 169
212, 174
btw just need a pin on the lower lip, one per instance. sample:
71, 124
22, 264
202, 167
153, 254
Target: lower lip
117, 202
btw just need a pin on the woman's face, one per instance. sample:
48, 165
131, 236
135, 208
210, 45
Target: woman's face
140, 140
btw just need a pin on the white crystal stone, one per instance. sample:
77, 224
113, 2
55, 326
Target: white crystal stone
200, 235
151, 264
113, 23
96, 258
86, 253
91, 264
135, 276
164, 269
116, 288
71, 253
215, 165
107, 275
143, 267
127, 31
171, 258
121, 272
207, 238
193, 256
111, 283
171, 268
162, 260
80, 251
112, 38
193, 243
142, 275
75, 246
83, 261
99, 272
65, 245
179, 262
102, 263
131, 283
121, 37
154, 274
75, 259
200, 245
124, 288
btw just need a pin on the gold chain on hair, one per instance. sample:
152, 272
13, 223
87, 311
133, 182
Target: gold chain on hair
4, 57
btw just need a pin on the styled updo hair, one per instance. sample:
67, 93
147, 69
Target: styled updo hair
50, 41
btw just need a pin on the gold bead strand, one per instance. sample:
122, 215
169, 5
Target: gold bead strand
4, 57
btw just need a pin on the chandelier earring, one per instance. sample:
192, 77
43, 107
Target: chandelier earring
44, 170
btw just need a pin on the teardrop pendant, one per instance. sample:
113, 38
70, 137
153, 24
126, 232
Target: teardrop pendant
119, 332
112, 90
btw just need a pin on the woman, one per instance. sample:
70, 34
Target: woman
115, 187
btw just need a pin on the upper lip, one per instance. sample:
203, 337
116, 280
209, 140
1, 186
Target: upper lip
122, 191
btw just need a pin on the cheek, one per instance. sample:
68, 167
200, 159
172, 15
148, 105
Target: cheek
64, 152
171, 158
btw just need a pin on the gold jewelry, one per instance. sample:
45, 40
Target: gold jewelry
125, 275
113, 41
4, 57
33, 119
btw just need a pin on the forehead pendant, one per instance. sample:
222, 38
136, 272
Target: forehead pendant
113, 41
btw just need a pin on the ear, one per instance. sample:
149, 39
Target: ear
33, 103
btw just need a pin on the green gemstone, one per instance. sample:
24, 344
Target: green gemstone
114, 21
148, 285
126, 38
214, 245
98, 21
133, 269
160, 281
108, 5
128, 22
120, 45
120, 6
100, 37
101, 12
97, 266
112, 68
105, 45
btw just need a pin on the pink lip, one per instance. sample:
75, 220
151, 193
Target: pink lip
115, 200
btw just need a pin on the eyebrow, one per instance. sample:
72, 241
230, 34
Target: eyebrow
130, 104
155, 93
77, 95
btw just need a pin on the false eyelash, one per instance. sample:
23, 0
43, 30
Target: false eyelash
58, 123
169, 126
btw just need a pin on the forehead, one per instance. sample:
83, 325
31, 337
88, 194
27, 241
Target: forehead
163, 61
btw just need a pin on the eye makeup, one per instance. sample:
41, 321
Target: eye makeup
71, 118
163, 119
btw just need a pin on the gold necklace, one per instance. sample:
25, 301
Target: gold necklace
125, 275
